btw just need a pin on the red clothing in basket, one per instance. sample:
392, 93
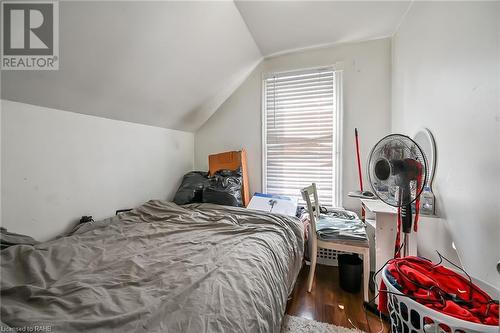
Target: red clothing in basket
441, 289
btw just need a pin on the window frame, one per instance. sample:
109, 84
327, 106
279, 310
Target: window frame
337, 185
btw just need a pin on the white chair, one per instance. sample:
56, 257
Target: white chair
358, 247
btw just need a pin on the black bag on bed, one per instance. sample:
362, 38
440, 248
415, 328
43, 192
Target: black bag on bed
224, 188
191, 187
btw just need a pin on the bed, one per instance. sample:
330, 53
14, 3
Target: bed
158, 268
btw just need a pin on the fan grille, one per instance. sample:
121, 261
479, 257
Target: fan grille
401, 170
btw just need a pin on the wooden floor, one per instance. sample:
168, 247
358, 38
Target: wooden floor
330, 304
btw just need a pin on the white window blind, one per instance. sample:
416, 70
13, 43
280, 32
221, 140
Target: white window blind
300, 139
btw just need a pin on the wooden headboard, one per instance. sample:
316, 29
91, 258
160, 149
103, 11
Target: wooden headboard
232, 160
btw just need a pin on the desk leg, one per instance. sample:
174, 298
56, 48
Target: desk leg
366, 273
385, 236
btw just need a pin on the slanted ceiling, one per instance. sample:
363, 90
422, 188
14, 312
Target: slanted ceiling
283, 26
168, 64
172, 64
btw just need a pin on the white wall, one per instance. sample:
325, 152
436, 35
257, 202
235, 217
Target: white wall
58, 166
237, 123
446, 77
1, 212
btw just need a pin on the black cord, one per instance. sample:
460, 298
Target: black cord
441, 257
375, 283
381, 268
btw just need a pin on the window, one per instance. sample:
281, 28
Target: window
301, 133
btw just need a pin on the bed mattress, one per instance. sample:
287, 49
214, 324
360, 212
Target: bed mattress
158, 268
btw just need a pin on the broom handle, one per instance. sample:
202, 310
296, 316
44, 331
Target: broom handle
359, 170
359, 160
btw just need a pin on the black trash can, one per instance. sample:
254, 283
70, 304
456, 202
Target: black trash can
350, 269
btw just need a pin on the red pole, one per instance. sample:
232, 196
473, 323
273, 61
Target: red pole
359, 170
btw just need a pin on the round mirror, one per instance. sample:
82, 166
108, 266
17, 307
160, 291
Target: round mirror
426, 141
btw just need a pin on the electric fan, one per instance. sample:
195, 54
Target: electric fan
397, 171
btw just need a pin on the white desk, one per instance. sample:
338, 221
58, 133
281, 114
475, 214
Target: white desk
382, 223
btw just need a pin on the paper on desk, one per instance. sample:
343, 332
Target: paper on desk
274, 204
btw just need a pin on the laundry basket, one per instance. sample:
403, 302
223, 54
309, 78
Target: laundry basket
409, 316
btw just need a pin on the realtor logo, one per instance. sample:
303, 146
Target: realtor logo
30, 35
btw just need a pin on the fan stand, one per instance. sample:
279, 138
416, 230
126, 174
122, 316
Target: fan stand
406, 244
406, 221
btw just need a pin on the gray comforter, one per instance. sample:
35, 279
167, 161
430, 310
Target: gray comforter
158, 268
